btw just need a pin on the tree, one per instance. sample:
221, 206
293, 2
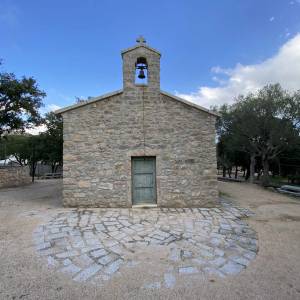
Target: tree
268, 123
229, 150
20, 100
288, 162
26, 149
17, 146
263, 125
46, 147
37, 146
53, 139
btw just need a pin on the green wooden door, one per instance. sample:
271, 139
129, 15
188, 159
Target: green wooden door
143, 180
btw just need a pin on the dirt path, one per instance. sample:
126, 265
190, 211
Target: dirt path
274, 274
276, 271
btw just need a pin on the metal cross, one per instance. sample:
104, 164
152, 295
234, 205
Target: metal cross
141, 40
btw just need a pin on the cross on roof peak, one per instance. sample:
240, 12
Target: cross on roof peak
141, 40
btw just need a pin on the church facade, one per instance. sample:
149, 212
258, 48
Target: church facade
139, 145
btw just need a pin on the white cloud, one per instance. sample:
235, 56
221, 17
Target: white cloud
53, 107
283, 68
42, 128
272, 19
36, 130
49, 108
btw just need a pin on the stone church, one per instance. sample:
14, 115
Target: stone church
139, 146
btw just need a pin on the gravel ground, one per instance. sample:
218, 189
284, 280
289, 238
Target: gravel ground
273, 274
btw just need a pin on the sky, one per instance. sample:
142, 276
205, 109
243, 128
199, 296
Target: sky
212, 51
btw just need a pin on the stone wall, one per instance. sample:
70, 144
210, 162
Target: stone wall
14, 176
153, 62
101, 138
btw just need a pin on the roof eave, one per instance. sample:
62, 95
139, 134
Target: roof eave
108, 95
139, 46
87, 102
190, 104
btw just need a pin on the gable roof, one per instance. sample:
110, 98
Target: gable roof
106, 96
87, 102
190, 103
139, 46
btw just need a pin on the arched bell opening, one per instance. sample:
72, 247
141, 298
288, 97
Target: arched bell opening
141, 71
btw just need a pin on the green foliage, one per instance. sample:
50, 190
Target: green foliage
20, 100
17, 145
53, 139
263, 125
263, 121
289, 161
28, 149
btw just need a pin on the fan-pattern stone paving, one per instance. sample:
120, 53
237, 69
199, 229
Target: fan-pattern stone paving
94, 245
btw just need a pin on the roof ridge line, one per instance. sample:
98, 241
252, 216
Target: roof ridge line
138, 46
111, 94
190, 103
86, 102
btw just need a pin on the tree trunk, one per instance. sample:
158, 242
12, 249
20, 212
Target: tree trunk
56, 167
236, 172
33, 168
229, 172
224, 172
33, 163
252, 168
258, 175
266, 177
247, 172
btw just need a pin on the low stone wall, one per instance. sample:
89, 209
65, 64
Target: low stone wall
14, 176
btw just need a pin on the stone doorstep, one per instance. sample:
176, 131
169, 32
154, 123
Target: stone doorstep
144, 206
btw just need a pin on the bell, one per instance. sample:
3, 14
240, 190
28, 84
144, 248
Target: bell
141, 74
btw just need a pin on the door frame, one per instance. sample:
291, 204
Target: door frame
155, 180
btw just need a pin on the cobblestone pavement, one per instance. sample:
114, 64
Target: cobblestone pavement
95, 245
